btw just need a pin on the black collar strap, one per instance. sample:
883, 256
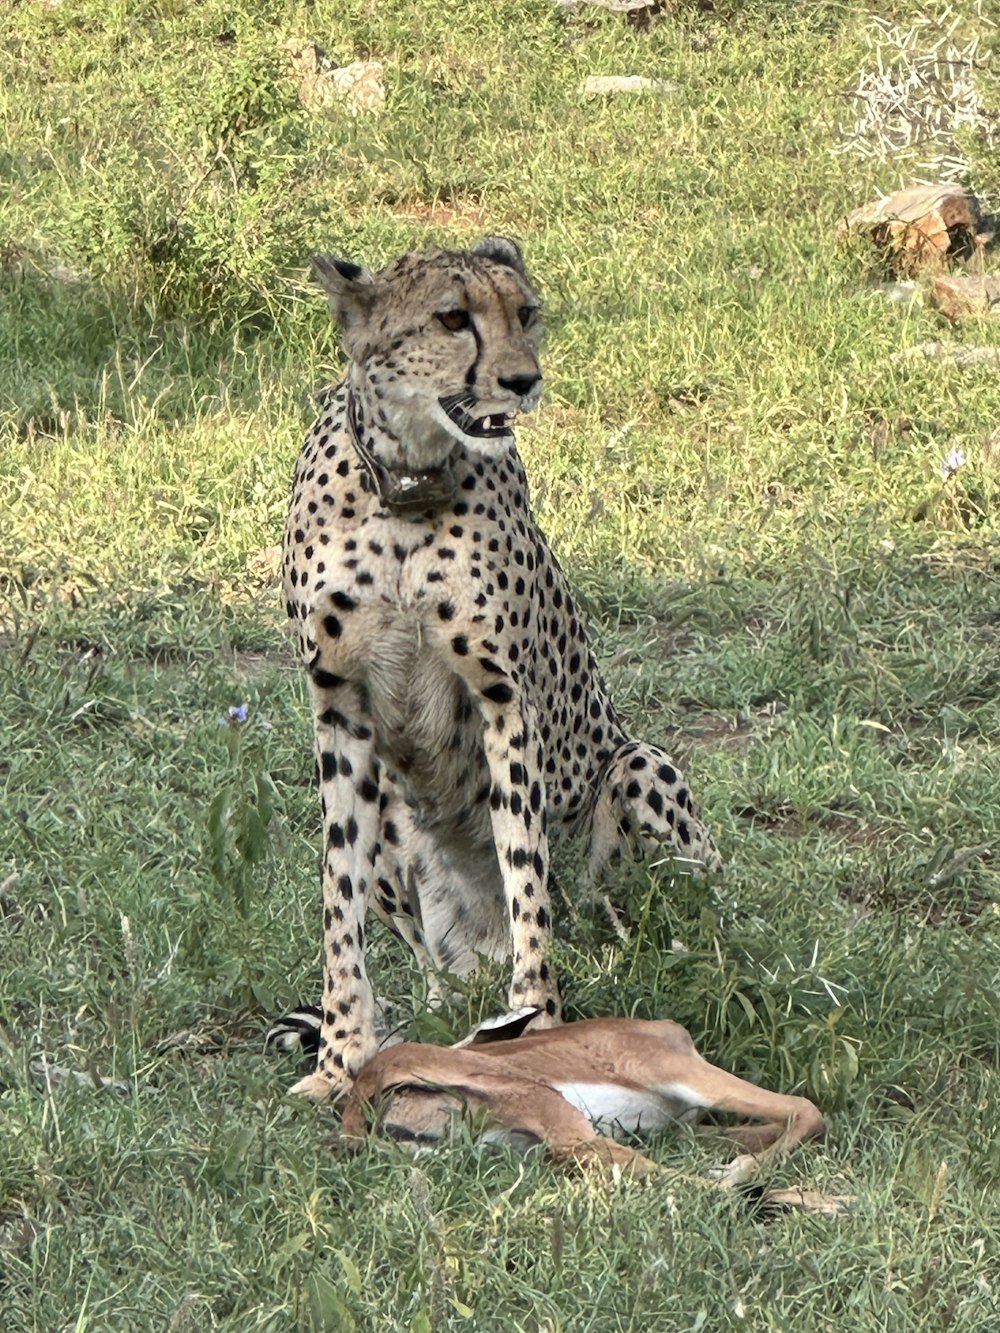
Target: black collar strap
404, 492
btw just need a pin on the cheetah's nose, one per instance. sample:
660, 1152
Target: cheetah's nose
522, 385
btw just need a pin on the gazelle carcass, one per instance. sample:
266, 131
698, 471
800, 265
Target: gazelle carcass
577, 1089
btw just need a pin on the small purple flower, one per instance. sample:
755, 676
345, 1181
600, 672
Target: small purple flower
950, 465
236, 716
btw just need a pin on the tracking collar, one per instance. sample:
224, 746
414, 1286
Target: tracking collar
403, 491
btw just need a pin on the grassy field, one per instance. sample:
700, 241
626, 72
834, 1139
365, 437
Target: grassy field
787, 582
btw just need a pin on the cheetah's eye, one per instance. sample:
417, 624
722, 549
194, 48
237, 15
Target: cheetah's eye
455, 320
526, 314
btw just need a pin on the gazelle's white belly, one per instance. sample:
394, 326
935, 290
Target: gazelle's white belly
619, 1110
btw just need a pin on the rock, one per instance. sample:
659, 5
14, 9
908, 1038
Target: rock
618, 6
360, 85
902, 293
599, 85
637, 12
314, 69
918, 228
48, 1075
67, 273
950, 354
959, 297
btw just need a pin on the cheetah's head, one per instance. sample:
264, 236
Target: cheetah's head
444, 344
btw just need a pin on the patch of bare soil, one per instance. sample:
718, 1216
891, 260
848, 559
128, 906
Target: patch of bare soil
787, 822
723, 731
252, 665
927, 904
456, 214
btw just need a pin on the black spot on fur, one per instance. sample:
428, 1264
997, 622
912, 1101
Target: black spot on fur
498, 694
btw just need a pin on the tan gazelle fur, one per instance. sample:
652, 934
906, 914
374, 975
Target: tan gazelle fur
571, 1087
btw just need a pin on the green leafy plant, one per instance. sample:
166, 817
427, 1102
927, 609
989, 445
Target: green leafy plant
238, 823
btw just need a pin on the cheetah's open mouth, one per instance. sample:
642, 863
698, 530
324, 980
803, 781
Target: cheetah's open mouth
490, 427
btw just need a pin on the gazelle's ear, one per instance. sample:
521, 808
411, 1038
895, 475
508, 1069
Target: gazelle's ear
504, 1028
504, 251
351, 289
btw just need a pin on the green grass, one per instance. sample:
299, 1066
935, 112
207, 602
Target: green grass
743, 483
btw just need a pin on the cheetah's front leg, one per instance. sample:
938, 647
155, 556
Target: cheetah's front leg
349, 794
517, 810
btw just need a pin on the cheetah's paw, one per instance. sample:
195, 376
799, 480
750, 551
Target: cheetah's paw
319, 1087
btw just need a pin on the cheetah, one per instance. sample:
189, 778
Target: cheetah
459, 713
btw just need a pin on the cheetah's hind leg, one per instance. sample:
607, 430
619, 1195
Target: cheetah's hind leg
643, 804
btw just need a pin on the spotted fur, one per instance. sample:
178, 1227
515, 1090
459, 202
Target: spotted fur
458, 709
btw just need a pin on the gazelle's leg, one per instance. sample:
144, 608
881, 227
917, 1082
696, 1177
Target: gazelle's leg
786, 1120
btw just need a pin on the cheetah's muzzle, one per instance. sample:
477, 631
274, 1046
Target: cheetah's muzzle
491, 427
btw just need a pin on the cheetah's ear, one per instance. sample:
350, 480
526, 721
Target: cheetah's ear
504, 251
350, 287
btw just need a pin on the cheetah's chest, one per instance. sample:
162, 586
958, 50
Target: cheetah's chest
427, 729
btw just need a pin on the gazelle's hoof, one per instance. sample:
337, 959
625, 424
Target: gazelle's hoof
734, 1173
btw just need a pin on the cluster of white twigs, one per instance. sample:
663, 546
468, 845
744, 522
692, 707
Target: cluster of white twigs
922, 90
